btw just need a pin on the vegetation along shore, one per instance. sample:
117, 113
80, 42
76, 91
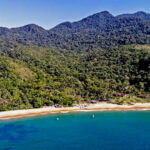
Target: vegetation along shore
101, 57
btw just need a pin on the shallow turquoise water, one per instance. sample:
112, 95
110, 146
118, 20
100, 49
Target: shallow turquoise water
78, 131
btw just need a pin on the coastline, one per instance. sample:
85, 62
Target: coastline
102, 106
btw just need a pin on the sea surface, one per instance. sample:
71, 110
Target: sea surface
78, 131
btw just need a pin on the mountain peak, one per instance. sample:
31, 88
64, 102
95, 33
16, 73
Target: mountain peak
98, 17
141, 13
65, 24
103, 14
29, 28
100, 30
32, 26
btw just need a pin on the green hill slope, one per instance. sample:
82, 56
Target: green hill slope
32, 77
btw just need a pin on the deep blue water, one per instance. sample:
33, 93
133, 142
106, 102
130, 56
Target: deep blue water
78, 131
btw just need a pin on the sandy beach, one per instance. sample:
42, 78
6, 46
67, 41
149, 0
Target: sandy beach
102, 106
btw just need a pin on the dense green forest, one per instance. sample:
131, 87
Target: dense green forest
32, 77
98, 31
101, 57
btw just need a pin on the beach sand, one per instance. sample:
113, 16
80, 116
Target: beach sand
102, 106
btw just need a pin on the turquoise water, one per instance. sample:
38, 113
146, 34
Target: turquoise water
78, 131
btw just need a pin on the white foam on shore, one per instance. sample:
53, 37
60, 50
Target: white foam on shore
85, 110
64, 112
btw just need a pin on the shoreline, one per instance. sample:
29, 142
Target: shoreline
102, 106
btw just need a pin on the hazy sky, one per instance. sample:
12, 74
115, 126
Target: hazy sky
48, 13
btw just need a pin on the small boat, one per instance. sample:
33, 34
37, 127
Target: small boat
57, 118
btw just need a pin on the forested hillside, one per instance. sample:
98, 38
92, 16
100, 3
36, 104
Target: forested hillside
32, 77
101, 57
99, 31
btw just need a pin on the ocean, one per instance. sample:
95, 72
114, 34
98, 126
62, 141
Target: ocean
117, 130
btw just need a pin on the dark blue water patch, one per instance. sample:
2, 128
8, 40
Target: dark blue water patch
78, 131
9, 148
12, 133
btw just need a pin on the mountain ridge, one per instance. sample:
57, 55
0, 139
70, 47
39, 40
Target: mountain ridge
99, 31
102, 12
141, 14
38, 68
